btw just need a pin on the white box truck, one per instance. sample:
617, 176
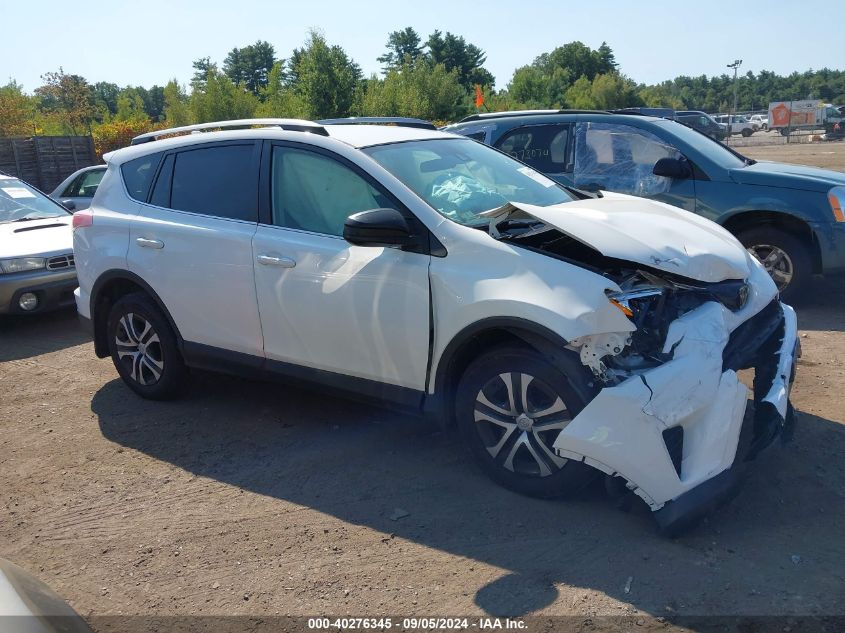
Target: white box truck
804, 114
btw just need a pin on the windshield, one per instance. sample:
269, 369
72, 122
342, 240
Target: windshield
711, 149
460, 178
20, 202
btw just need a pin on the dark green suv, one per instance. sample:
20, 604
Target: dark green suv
788, 216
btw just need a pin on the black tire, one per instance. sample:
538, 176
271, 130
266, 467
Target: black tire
571, 383
746, 132
760, 239
147, 358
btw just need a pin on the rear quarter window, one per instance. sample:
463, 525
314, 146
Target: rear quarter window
138, 175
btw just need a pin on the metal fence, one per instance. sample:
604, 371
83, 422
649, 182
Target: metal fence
44, 161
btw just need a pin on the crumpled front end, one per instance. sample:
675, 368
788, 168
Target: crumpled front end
675, 428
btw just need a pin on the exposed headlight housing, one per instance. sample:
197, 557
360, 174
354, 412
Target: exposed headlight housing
22, 264
836, 197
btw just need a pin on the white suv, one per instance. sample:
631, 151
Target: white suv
567, 334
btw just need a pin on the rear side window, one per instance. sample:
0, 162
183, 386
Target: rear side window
85, 185
544, 147
220, 180
138, 175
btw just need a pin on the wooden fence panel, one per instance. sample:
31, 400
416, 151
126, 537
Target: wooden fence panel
44, 161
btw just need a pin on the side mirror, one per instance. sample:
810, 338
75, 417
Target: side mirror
70, 205
378, 227
672, 168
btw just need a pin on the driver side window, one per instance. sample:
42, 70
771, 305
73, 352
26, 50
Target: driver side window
619, 158
316, 193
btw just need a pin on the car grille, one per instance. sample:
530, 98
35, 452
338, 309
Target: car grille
59, 262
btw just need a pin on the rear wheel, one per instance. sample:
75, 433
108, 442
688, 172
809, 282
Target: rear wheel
144, 349
784, 257
511, 405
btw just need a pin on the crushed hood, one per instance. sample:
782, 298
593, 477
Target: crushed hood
641, 231
47, 237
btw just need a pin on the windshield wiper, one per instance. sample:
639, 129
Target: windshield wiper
583, 194
37, 217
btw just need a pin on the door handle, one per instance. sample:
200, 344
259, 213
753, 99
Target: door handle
272, 260
145, 243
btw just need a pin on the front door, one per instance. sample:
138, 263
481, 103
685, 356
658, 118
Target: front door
325, 304
620, 158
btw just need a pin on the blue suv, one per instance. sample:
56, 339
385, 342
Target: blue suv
788, 216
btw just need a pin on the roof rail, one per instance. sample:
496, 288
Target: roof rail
293, 125
507, 113
394, 120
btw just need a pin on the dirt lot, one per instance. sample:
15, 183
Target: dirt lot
252, 498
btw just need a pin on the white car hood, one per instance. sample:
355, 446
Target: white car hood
642, 231
36, 237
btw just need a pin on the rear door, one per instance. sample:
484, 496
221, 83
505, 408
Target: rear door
546, 148
192, 242
326, 305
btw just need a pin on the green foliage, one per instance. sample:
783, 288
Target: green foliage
177, 111
323, 79
116, 134
250, 66
16, 111
402, 46
68, 99
219, 99
419, 90
456, 54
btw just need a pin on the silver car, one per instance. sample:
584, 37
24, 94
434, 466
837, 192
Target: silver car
75, 191
37, 270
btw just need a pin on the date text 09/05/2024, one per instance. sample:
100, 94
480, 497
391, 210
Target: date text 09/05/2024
415, 623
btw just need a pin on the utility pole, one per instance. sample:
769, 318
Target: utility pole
737, 63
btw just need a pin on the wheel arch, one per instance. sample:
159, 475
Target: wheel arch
786, 222
111, 286
472, 341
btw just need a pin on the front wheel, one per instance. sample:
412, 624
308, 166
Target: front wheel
784, 257
511, 405
746, 132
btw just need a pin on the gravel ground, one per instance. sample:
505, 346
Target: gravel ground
260, 499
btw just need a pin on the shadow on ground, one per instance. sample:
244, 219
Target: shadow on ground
823, 308
25, 336
359, 463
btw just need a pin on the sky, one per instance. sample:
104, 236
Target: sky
151, 42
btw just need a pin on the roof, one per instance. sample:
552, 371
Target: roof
357, 136
513, 113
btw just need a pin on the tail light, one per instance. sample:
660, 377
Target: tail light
83, 218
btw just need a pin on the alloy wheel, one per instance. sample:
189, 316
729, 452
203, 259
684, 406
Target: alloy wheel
139, 349
776, 261
518, 417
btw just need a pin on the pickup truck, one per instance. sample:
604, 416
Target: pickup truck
737, 124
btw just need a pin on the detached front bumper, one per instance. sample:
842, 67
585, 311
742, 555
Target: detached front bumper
679, 433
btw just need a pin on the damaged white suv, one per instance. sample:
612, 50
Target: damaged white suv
567, 335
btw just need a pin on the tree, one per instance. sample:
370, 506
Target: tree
104, 95
323, 78
202, 67
68, 98
176, 109
580, 94
419, 90
250, 66
16, 111
130, 106
455, 54
218, 99
401, 46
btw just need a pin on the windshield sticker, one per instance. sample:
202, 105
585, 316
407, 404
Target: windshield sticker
536, 176
17, 192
